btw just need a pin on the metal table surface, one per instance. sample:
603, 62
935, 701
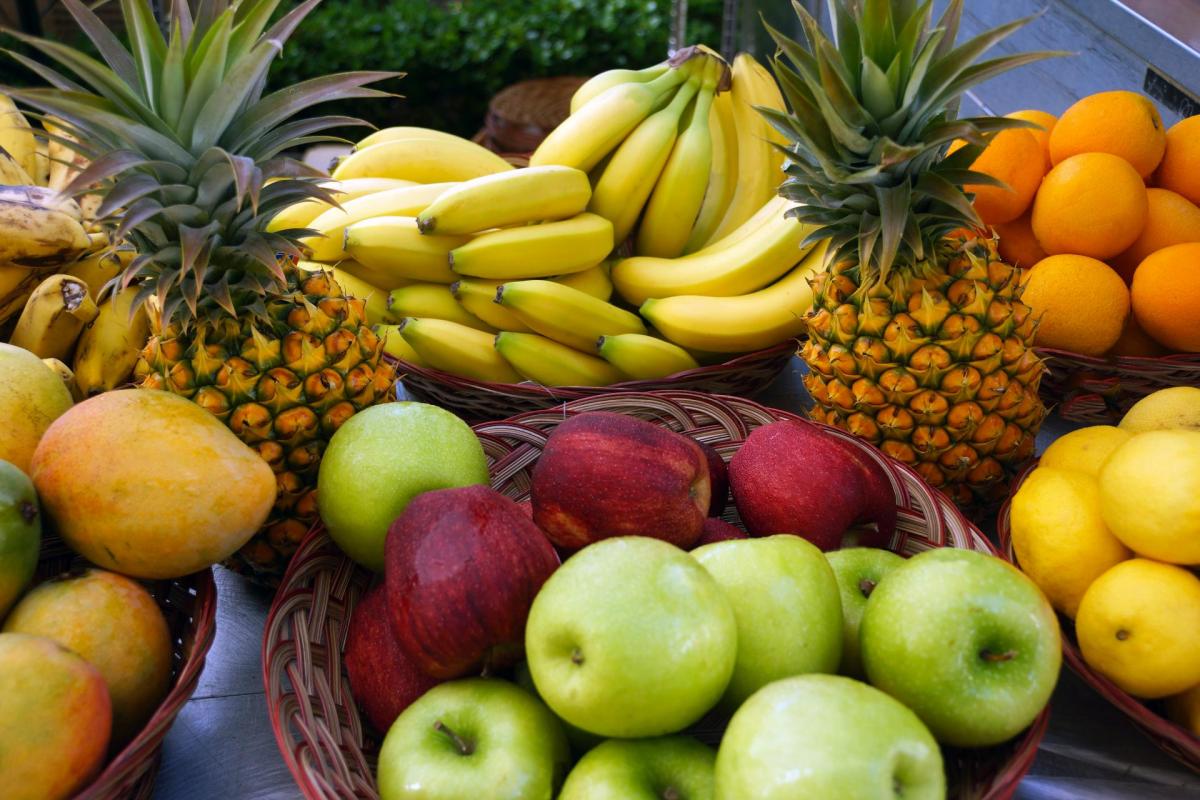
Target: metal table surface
222, 745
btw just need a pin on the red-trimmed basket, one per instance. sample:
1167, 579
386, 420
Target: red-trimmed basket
190, 607
1171, 738
744, 376
324, 742
1099, 391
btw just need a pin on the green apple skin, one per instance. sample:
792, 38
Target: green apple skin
580, 740
966, 641
858, 571
383, 457
789, 613
676, 767
516, 750
821, 737
629, 638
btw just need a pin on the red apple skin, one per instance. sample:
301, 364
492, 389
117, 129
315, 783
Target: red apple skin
462, 567
718, 480
718, 530
791, 477
603, 475
383, 679
526, 507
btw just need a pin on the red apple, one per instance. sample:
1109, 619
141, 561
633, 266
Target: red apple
718, 530
383, 679
793, 477
718, 480
462, 568
603, 475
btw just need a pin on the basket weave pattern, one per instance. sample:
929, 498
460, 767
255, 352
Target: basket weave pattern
1099, 391
190, 607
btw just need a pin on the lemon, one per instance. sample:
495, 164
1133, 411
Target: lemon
1137, 626
1085, 449
1150, 495
1184, 709
1059, 537
1166, 409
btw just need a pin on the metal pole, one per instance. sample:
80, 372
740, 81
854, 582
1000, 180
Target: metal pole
677, 39
729, 19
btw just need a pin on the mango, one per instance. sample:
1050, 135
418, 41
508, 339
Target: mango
149, 484
20, 534
31, 397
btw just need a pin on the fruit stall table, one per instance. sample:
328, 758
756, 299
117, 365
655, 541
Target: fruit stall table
222, 744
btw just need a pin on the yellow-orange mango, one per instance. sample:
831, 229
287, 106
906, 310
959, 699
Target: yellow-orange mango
31, 397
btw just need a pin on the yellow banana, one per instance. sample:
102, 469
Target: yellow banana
375, 304
597, 84
403, 132
68, 377
16, 284
566, 315
98, 268
722, 175
109, 347
54, 316
771, 210
748, 265
516, 197
478, 296
592, 132
422, 160
432, 301
629, 178
16, 136
457, 349
42, 177
396, 347
643, 357
536, 251
394, 246
65, 161
39, 227
407, 201
12, 173
594, 281
299, 215
375, 278
549, 363
760, 165
739, 324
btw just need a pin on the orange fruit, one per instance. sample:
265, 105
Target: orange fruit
1180, 167
1018, 246
1125, 124
1092, 204
1043, 118
1171, 219
1136, 342
1166, 296
1015, 157
1081, 303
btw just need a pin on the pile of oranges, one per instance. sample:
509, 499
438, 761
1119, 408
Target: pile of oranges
1102, 208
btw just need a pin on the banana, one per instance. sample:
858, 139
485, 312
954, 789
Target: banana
39, 227
380, 280
772, 209
478, 296
109, 347
68, 377
739, 324
627, 181
394, 246
432, 301
760, 164
645, 358
16, 136
597, 84
407, 201
422, 160
12, 173
533, 194
564, 314
98, 268
549, 363
722, 176
591, 133
375, 305
65, 162
396, 347
42, 176
299, 215
536, 251
16, 285
457, 349
403, 132
594, 281
54, 316
748, 265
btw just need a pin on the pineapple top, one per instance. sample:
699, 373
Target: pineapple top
190, 154
871, 118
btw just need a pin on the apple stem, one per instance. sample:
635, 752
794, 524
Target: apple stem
866, 586
464, 746
669, 793
577, 657
995, 658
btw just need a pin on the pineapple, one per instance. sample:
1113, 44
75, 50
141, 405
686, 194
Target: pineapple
192, 158
918, 340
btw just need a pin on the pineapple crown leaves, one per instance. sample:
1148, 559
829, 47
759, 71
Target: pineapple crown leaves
188, 148
872, 115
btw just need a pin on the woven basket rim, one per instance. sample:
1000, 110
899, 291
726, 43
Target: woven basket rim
1133, 362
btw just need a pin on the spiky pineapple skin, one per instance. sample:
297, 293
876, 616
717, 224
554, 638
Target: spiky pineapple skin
284, 392
935, 366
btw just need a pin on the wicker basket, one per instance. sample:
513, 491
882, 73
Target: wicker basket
190, 607
322, 737
521, 115
1098, 391
744, 376
1171, 738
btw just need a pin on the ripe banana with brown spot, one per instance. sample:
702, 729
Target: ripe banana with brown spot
16, 136
550, 363
566, 315
98, 268
39, 227
16, 284
11, 171
457, 349
54, 316
407, 201
110, 345
68, 377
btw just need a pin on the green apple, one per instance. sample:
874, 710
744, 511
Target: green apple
820, 737
667, 768
631, 637
481, 737
858, 571
383, 457
966, 641
580, 740
785, 599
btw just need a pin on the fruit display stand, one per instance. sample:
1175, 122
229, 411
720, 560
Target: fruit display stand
1098, 391
324, 740
190, 607
1171, 738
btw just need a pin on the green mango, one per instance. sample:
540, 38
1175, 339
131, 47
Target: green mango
20, 534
